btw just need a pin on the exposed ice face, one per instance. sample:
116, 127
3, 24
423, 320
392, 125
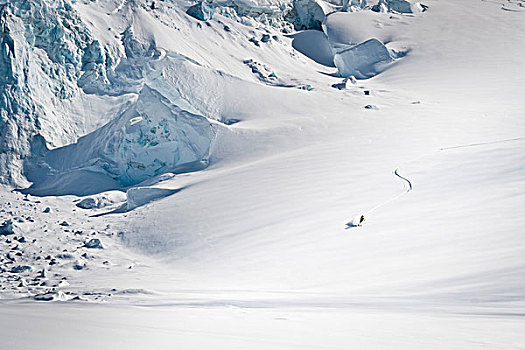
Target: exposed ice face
102, 75
310, 13
401, 6
13, 105
283, 15
161, 137
277, 15
353, 5
201, 11
42, 55
363, 60
151, 137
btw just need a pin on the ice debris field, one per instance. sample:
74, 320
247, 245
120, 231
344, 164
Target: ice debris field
262, 174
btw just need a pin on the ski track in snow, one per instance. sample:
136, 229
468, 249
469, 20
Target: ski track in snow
482, 143
406, 181
405, 191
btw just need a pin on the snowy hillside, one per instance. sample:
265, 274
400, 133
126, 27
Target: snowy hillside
197, 173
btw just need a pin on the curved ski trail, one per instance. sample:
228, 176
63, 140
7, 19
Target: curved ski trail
408, 183
408, 187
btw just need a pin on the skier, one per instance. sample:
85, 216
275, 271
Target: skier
361, 220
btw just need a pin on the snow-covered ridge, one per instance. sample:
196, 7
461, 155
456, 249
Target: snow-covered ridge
71, 67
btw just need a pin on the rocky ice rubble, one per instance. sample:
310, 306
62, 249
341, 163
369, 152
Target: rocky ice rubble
42, 256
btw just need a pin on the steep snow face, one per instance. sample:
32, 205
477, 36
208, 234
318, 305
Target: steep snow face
151, 137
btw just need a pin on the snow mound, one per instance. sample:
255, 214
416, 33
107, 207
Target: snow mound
102, 200
364, 60
346, 29
138, 196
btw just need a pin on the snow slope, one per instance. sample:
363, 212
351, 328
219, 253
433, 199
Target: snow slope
255, 250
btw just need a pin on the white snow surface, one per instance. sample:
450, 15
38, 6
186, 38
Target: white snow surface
238, 228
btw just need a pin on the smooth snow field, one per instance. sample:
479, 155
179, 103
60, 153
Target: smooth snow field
201, 183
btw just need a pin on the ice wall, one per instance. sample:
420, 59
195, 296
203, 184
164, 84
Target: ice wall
44, 50
362, 61
151, 137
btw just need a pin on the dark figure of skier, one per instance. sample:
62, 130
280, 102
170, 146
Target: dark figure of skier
361, 220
